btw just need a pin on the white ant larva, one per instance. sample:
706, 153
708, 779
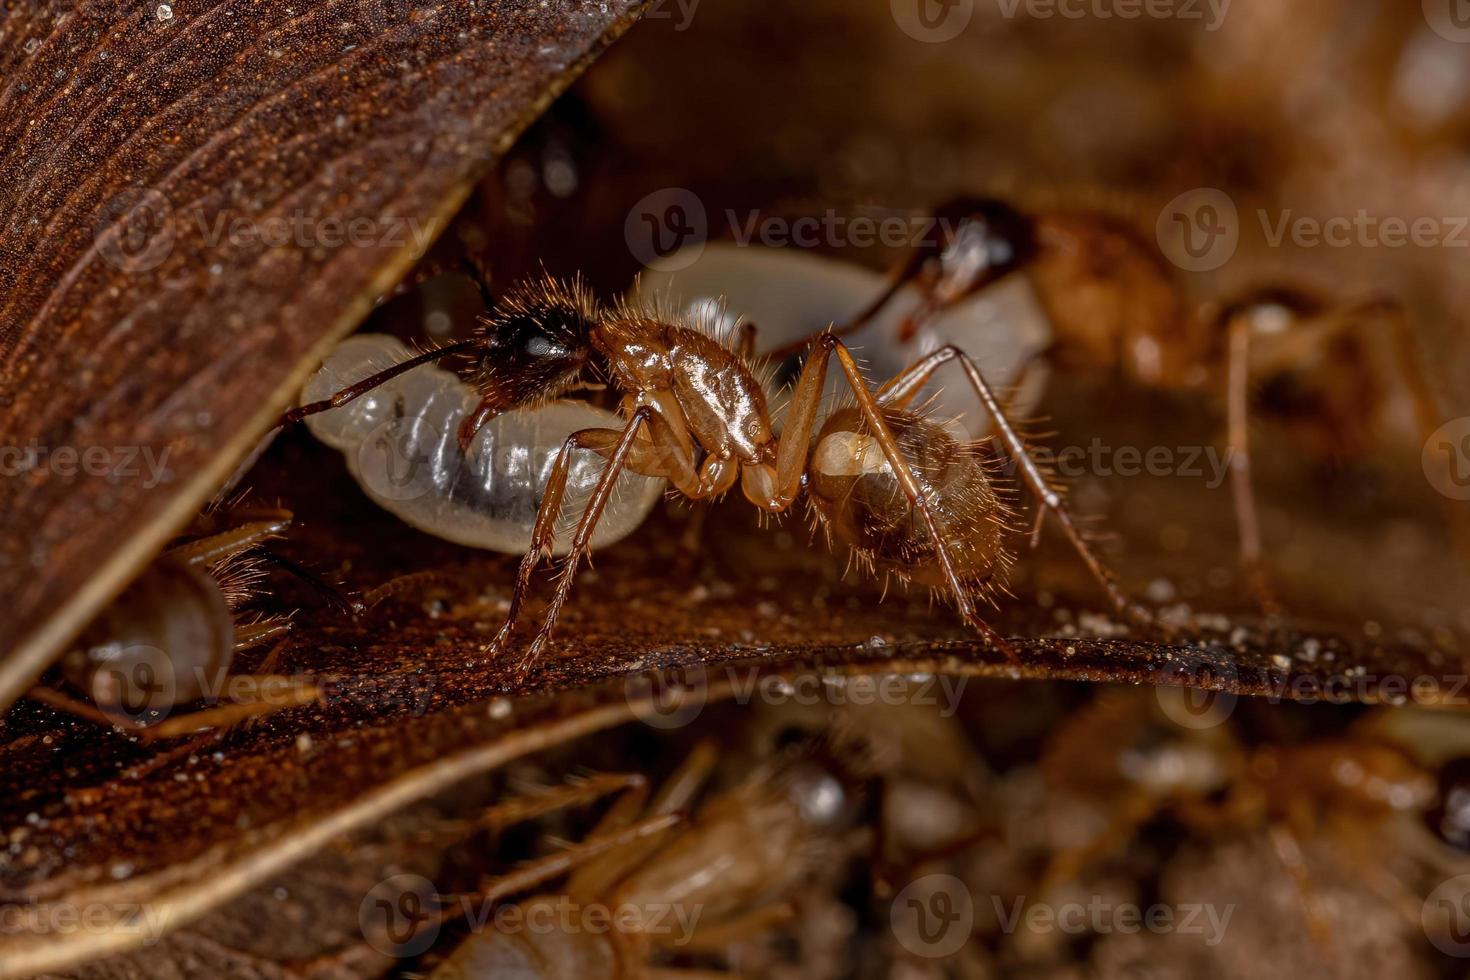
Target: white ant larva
401, 448
789, 295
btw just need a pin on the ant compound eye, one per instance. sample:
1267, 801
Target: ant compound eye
1450, 817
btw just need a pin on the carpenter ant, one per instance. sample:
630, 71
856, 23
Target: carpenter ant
1115, 307
782, 821
895, 487
1343, 787
170, 638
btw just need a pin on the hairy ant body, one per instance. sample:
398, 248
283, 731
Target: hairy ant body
171, 637
897, 489
1115, 307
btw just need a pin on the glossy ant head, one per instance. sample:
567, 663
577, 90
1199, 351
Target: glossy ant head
974, 242
1449, 819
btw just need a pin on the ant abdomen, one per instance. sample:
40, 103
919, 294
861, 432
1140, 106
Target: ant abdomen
859, 501
401, 445
166, 640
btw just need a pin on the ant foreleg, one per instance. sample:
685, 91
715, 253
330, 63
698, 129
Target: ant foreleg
581, 543
905, 385
544, 531
372, 381
1237, 409
809, 388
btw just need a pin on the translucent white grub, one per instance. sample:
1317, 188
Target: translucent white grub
401, 445
789, 294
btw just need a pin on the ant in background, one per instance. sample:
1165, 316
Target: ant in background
880, 476
171, 638
1115, 307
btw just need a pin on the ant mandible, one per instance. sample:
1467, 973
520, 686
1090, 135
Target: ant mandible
696, 414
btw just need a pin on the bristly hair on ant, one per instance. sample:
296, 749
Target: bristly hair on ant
885, 481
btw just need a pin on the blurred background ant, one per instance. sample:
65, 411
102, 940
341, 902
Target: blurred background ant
1325, 372
171, 637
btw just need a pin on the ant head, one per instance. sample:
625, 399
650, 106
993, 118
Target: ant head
536, 343
974, 242
1449, 819
1271, 310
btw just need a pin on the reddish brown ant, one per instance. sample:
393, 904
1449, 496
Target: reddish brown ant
1115, 307
896, 488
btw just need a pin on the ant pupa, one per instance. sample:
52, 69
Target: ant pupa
784, 821
1113, 306
172, 636
881, 477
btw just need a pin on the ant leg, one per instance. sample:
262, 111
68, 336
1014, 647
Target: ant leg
52, 698
228, 715
543, 532
798, 435
545, 528
570, 794
1237, 405
373, 381
905, 385
676, 795
900, 277
537, 872
718, 936
227, 544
